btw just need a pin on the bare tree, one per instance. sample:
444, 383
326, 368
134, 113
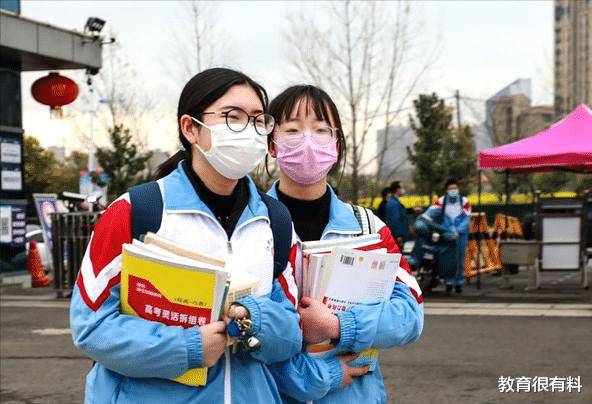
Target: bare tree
113, 97
118, 85
198, 42
363, 55
122, 98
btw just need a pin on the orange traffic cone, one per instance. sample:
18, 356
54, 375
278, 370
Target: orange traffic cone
35, 267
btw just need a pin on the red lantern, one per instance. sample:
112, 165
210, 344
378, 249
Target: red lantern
54, 90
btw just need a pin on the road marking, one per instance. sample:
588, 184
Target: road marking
430, 308
25, 297
53, 331
508, 309
36, 304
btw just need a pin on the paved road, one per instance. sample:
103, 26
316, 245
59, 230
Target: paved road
459, 359
464, 349
38, 368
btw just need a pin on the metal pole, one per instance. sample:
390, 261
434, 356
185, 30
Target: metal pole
91, 146
505, 277
457, 96
507, 203
478, 235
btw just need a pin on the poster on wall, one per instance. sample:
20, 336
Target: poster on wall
11, 164
19, 225
13, 225
46, 204
5, 224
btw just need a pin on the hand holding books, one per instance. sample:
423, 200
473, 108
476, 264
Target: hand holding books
349, 372
239, 328
339, 274
318, 321
319, 324
237, 311
164, 281
213, 337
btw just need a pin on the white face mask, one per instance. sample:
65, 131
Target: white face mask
234, 154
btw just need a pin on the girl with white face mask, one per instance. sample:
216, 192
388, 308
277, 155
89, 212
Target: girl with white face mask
308, 143
210, 204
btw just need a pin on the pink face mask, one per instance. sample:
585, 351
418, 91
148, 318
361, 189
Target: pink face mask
308, 162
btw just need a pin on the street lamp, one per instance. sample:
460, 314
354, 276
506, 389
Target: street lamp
91, 153
92, 163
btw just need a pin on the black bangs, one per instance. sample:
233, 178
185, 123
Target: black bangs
301, 106
312, 98
210, 85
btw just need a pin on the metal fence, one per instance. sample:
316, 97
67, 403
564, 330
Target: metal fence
70, 234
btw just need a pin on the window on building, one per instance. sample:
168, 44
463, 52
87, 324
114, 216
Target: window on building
558, 12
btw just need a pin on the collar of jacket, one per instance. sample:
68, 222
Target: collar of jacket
180, 197
341, 217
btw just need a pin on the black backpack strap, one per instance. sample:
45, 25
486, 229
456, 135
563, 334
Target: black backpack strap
146, 201
281, 227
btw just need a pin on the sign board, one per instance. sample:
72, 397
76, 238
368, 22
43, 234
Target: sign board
46, 204
11, 167
13, 225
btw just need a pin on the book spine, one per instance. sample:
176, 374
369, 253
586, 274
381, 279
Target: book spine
223, 302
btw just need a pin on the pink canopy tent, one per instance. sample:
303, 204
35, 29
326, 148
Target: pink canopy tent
565, 146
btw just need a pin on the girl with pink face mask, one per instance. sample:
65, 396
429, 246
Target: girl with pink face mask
308, 143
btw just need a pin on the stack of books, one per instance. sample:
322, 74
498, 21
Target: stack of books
164, 281
346, 272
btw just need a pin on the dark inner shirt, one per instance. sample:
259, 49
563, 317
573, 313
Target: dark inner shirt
226, 208
310, 217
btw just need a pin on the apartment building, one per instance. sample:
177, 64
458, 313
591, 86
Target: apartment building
573, 55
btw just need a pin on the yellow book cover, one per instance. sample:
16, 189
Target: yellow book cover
176, 292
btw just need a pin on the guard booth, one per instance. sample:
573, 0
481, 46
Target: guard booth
564, 236
71, 234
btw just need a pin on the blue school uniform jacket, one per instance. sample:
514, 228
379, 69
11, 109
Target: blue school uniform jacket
135, 358
388, 324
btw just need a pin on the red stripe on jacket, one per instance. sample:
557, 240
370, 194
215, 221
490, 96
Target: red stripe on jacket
112, 230
282, 278
389, 243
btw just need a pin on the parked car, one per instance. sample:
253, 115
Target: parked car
34, 232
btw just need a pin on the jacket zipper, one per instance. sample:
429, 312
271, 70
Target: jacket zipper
227, 383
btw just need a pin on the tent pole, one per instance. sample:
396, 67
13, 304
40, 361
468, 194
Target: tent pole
478, 236
505, 233
506, 281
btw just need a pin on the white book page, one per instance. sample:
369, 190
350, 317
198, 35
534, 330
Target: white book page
317, 264
351, 242
356, 277
182, 250
154, 252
